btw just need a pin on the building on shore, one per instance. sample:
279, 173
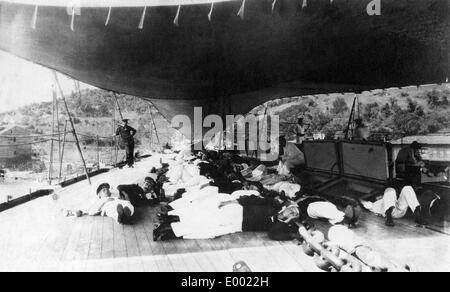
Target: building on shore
14, 144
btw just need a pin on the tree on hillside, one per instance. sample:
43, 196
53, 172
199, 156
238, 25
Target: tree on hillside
320, 120
104, 110
371, 111
438, 99
339, 106
386, 111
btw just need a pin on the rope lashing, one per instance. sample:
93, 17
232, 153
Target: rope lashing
211, 12
72, 21
34, 19
177, 17
241, 12
141, 23
108, 17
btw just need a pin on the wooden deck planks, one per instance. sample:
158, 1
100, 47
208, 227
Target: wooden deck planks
161, 259
36, 237
132, 247
95, 245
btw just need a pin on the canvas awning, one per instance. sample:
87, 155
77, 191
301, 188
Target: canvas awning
229, 64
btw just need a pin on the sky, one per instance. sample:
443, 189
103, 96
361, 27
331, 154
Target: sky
23, 83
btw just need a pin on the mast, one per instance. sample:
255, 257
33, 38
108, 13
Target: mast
73, 127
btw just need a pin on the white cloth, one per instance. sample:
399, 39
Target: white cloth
185, 154
282, 169
407, 200
107, 207
242, 193
153, 176
192, 197
288, 188
202, 216
184, 176
110, 208
210, 223
183, 173
325, 210
300, 132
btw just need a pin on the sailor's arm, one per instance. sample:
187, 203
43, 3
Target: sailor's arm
133, 131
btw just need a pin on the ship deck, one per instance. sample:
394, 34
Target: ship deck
37, 237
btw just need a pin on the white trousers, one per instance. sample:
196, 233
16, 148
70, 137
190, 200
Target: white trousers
110, 208
204, 222
406, 200
325, 210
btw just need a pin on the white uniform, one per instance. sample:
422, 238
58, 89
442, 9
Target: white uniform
300, 132
407, 199
325, 210
108, 207
184, 176
288, 188
210, 223
202, 218
193, 197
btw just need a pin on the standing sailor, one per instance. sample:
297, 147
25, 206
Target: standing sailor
409, 164
300, 131
127, 134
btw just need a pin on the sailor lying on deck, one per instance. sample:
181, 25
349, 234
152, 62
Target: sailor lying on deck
392, 207
209, 214
147, 192
107, 204
316, 207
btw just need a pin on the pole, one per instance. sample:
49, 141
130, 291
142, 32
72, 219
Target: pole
154, 125
118, 106
57, 125
73, 127
113, 147
151, 138
121, 117
98, 153
62, 150
50, 167
350, 120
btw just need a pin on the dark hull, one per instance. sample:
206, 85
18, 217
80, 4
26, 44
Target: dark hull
321, 49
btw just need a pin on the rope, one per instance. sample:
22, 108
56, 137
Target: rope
29, 136
55, 135
26, 144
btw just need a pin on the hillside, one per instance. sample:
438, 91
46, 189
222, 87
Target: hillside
409, 111
93, 113
390, 114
